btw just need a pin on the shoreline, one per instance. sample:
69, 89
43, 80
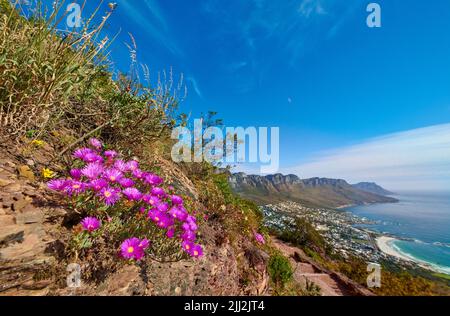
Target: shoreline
384, 244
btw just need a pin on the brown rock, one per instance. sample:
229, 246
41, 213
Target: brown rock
26, 172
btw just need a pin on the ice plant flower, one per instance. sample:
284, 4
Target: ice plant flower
120, 165
163, 207
138, 174
90, 224
98, 184
132, 165
259, 238
153, 179
110, 195
158, 191
176, 200
75, 187
187, 246
76, 174
92, 157
132, 194
82, 153
126, 182
196, 251
151, 199
133, 248
113, 175
57, 185
111, 154
92, 170
94, 142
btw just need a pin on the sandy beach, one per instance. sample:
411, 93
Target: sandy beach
384, 244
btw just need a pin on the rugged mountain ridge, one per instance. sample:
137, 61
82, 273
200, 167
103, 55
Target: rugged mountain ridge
372, 188
321, 192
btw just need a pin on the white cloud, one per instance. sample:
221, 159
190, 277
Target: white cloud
153, 23
311, 7
195, 86
415, 159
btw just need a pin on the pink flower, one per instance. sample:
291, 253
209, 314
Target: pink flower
138, 174
176, 200
132, 165
158, 192
111, 154
95, 143
75, 187
76, 174
82, 152
163, 207
92, 157
134, 248
90, 224
57, 185
188, 235
126, 182
132, 194
98, 184
153, 179
259, 238
170, 233
151, 200
110, 195
120, 165
196, 251
144, 244
178, 213
113, 175
92, 170
187, 246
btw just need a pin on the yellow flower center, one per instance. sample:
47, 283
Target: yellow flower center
187, 247
112, 178
195, 253
107, 194
76, 186
130, 249
157, 219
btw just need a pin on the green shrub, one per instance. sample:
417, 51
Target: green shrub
280, 270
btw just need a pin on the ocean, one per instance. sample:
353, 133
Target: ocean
422, 218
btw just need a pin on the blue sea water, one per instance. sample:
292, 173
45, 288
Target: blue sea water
422, 218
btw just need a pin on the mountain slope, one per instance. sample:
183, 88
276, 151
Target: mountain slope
321, 192
372, 188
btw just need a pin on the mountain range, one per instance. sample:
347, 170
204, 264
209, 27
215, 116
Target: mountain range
316, 192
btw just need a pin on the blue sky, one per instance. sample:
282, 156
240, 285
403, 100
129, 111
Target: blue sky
311, 67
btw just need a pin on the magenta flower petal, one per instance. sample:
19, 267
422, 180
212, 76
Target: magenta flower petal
153, 179
58, 185
92, 170
132, 194
176, 200
76, 174
90, 224
110, 196
94, 142
111, 154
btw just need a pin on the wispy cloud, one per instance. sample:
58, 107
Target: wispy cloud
415, 159
195, 86
310, 8
153, 23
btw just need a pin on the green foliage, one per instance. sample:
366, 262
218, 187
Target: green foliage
280, 270
51, 81
302, 234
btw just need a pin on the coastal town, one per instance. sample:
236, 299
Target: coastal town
348, 234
